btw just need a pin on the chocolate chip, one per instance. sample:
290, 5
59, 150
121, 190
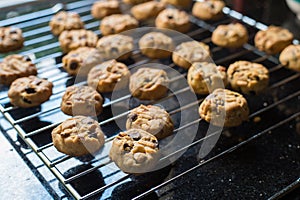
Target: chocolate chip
30, 90
26, 100
73, 65
135, 136
26, 58
170, 17
133, 117
126, 147
13, 31
114, 50
93, 135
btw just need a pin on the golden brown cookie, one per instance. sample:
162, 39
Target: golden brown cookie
135, 1
152, 119
78, 136
102, 9
147, 10
179, 3
81, 100
204, 77
208, 9
224, 108
149, 84
16, 66
230, 35
29, 91
135, 151
290, 57
11, 39
248, 77
109, 76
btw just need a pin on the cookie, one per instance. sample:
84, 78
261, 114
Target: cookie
209, 9
174, 19
11, 39
65, 21
273, 40
156, 45
152, 119
135, 151
248, 77
16, 66
117, 23
179, 3
224, 108
78, 136
102, 9
187, 53
135, 1
147, 10
29, 91
230, 35
149, 84
290, 57
73, 39
81, 100
82, 60
109, 76
117, 46
204, 77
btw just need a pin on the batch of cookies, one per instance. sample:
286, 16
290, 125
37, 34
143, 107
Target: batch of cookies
100, 61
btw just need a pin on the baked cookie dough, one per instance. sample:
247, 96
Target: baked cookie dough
16, 66
81, 100
230, 35
152, 119
117, 23
248, 77
29, 91
116, 46
147, 10
11, 39
224, 108
135, 1
290, 57
204, 77
172, 18
273, 40
208, 9
65, 21
109, 76
156, 45
102, 9
180, 3
135, 151
187, 53
149, 84
73, 39
78, 136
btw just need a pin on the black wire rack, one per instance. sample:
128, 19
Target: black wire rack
34, 125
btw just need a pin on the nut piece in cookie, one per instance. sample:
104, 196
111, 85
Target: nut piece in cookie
135, 151
16, 66
116, 46
187, 53
78, 136
81, 60
156, 45
273, 40
224, 108
117, 23
174, 19
135, 1
102, 9
109, 76
147, 10
81, 100
209, 9
152, 119
149, 84
230, 35
204, 77
65, 21
248, 77
179, 3
11, 39
290, 57
29, 91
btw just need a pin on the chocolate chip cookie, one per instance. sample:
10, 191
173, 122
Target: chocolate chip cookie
248, 77
135, 151
230, 35
78, 136
29, 91
290, 57
147, 10
16, 66
11, 39
109, 76
224, 108
179, 3
208, 9
81, 100
149, 84
102, 9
